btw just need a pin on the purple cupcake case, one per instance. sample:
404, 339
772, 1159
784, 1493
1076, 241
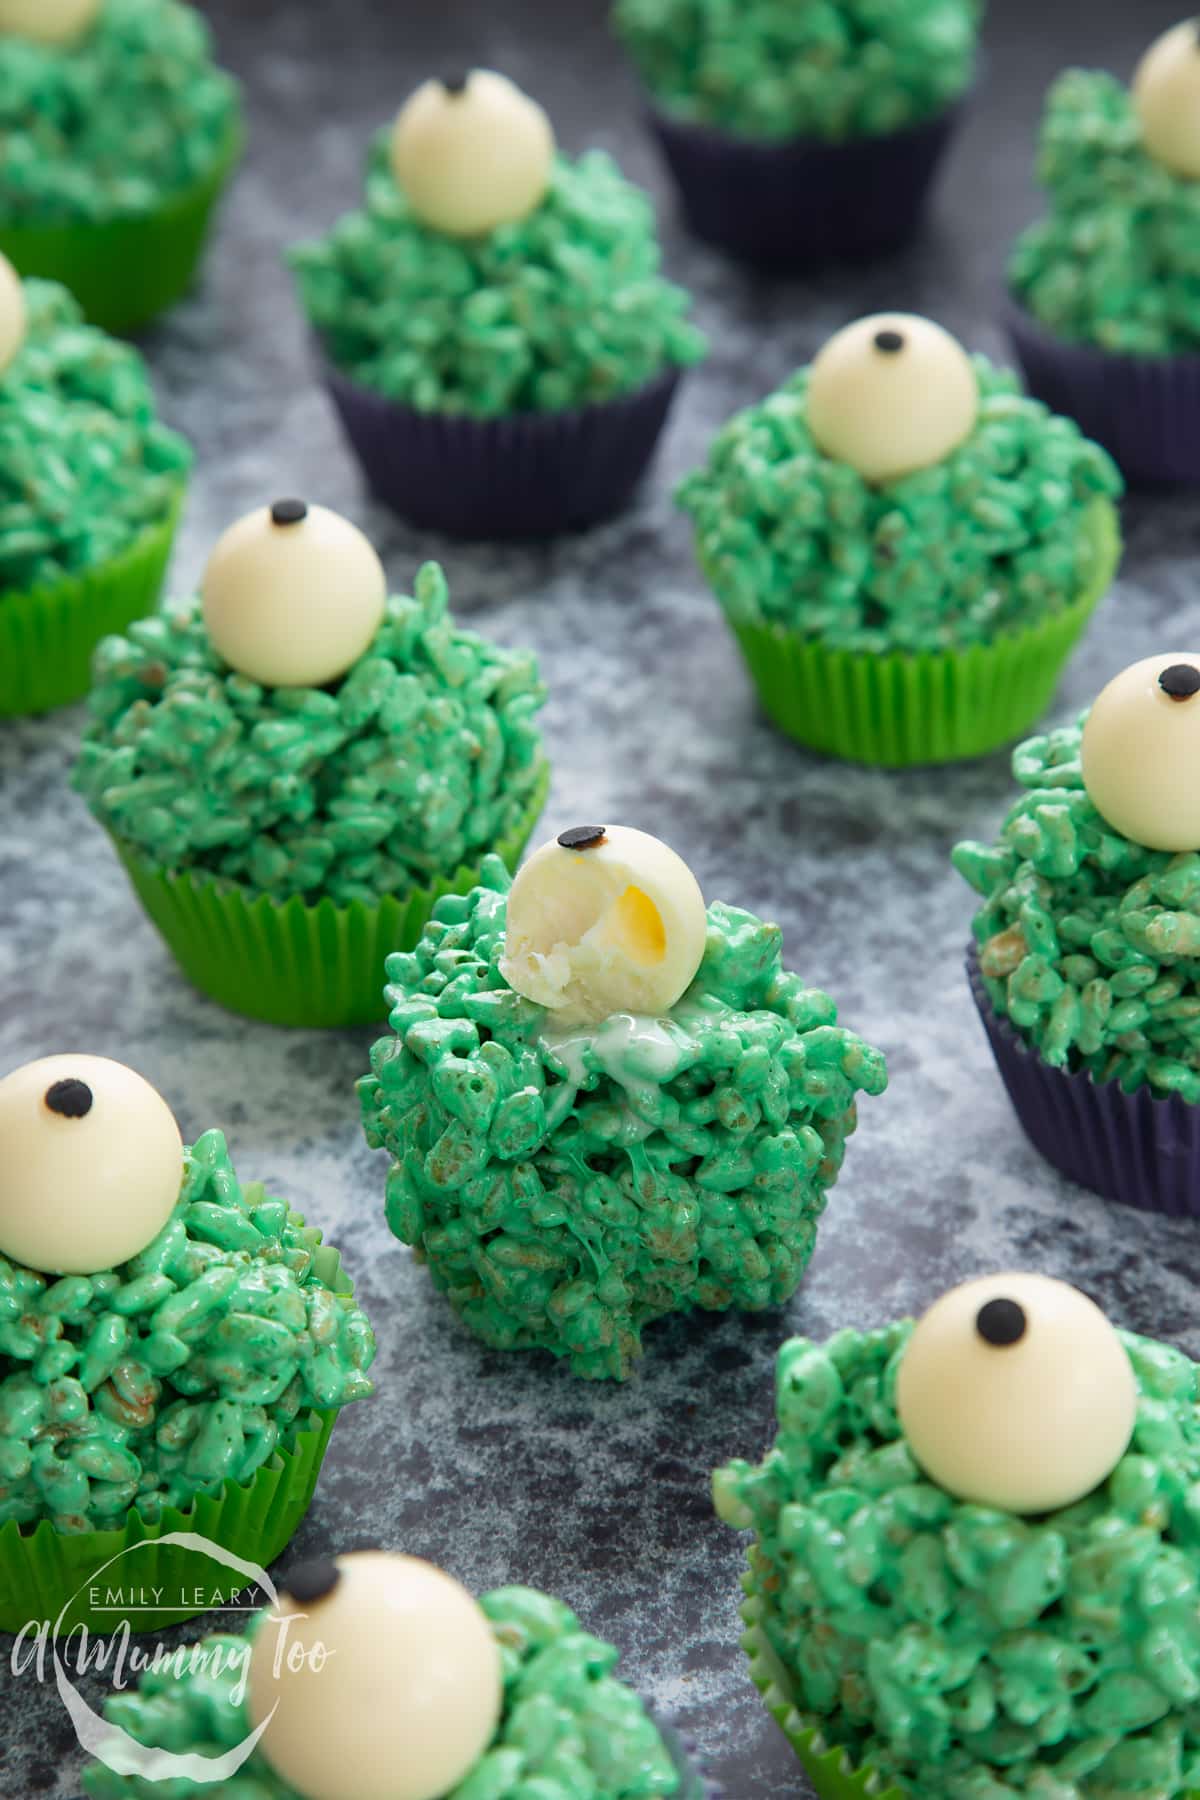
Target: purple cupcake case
1136, 1148
530, 475
1145, 410
793, 205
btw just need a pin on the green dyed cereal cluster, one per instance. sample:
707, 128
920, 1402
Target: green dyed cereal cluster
567, 1189
426, 754
116, 123
569, 1729
1088, 943
994, 538
777, 69
1115, 260
84, 465
187, 1366
563, 308
959, 1651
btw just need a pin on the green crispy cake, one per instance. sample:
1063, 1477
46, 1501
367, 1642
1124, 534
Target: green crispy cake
569, 1184
115, 124
562, 308
85, 466
951, 1647
774, 69
568, 1729
190, 1365
1113, 262
424, 753
996, 536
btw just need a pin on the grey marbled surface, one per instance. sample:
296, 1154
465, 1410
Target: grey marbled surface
506, 1469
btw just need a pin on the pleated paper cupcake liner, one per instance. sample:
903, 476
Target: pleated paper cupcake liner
531, 475
291, 963
46, 1573
1140, 1148
1145, 410
126, 270
795, 205
47, 634
827, 1766
901, 710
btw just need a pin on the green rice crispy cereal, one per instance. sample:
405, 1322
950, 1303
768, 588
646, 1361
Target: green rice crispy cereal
1115, 260
85, 467
958, 1650
115, 124
426, 754
777, 69
188, 1366
569, 1729
990, 540
1088, 943
564, 308
567, 1188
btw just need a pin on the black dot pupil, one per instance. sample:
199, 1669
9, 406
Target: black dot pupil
288, 512
582, 837
70, 1098
889, 341
1180, 681
1001, 1322
313, 1580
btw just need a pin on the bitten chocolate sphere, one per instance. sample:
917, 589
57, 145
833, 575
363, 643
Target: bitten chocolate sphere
12, 313
472, 154
48, 21
1015, 1392
1166, 97
1141, 752
91, 1164
891, 394
293, 595
385, 1686
614, 923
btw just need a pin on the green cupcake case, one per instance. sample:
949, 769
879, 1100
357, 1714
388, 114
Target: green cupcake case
291, 963
48, 633
126, 270
903, 710
828, 1767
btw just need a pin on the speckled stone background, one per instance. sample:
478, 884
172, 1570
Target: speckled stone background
508, 1469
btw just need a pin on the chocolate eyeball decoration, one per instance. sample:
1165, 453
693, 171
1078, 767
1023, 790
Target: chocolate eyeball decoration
1015, 1392
472, 152
604, 920
891, 394
1141, 752
293, 595
47, 21
12, 313
381, 1678
91, 1164
1166, 98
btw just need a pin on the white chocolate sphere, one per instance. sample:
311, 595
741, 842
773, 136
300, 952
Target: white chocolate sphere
1166, 97
891, 394
293, 595
1141, 752
48, 21
91, 1164
615, 925
474, 155
12, 313
409, 1698
1015, 1392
